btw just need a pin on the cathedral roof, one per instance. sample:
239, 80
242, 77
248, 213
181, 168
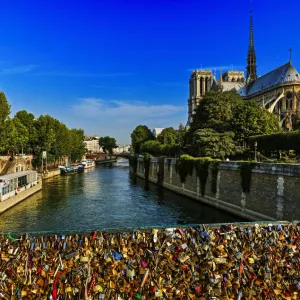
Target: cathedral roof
231, 85
283, 74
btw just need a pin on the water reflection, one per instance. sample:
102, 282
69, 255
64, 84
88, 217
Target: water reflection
105, 197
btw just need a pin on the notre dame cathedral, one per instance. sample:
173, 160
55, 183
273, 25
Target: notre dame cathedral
278, 91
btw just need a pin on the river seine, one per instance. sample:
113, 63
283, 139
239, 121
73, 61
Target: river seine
102, 198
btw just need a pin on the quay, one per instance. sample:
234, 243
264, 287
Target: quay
16, 187
50, 174
260, 191
217, 261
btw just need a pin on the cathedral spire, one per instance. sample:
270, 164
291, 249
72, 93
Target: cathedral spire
251, 58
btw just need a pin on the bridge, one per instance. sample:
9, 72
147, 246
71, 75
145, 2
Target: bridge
105, 156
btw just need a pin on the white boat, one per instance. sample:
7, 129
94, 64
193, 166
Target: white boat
88, 164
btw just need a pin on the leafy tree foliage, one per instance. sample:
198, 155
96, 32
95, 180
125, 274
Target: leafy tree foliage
7, 136
4, 108
21, 136
181, 132
29, 121
250, 119
216, 110
140, 135
108, 144
223, 122
77, 148
208, 142
34, 135
168, 136
153, 147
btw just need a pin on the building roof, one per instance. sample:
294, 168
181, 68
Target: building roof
230, 85
283, 74
17, 174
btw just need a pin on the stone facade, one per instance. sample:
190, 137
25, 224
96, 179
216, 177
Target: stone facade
273, 190
19, 164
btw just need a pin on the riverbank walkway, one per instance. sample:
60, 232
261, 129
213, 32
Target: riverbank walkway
223, 261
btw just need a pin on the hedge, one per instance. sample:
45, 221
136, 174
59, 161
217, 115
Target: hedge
277, 141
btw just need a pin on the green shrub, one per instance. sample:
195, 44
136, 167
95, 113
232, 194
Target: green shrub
277, 141
184, 166
201, 165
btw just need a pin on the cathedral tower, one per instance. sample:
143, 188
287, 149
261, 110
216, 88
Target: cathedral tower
251, 58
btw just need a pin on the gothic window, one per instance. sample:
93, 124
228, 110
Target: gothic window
289, 100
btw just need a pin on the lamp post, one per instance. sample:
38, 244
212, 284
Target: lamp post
255, 146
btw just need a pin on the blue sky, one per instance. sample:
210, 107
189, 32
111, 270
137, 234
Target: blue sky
107, 66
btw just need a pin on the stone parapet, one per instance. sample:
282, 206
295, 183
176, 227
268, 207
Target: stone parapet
266, 168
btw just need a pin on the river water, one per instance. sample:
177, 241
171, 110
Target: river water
105, 197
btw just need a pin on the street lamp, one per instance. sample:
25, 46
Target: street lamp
255, 146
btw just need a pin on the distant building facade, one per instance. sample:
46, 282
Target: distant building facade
92, 144
278, 91
121, 149
157, 131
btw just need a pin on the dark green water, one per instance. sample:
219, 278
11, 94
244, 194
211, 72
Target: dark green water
105, 197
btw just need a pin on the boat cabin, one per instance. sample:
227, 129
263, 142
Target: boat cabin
13, 183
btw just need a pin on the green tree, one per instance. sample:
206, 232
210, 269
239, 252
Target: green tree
45, 133
21, 136
140, 135
153, 147
250, 119
28, 120
181, 132
77, 148
108, 144
168, 136
4, 108
216, 110
208, 142
8, 135
62, 145
228, 112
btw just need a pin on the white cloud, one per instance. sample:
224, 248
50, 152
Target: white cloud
119, 118
121, 109
79, 74
17, 70
224, 67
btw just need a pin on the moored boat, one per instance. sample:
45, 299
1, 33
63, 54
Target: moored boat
66, 170
87, 164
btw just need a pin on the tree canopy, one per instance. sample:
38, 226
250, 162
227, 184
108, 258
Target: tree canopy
108, 144
208, 142
140, 135
168, 136
25, 132
4, 108
223, 122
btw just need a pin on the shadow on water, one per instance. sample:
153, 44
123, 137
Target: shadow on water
164, 197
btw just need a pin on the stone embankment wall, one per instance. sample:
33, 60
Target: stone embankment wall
50, 174
274, 188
